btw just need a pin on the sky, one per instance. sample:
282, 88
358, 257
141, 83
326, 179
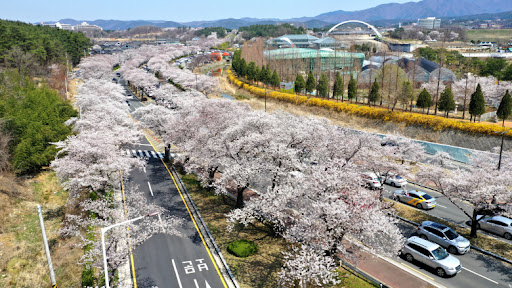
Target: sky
175, 10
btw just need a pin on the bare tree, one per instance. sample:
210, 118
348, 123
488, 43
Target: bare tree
4, 150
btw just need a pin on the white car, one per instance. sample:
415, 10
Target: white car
396, 181
371, 180
431, 254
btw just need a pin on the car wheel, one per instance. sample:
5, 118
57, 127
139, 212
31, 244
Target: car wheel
452, 250
508, 236
423, 237
419, 206
409, 257
440, 272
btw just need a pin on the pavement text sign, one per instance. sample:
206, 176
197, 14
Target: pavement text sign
193, 267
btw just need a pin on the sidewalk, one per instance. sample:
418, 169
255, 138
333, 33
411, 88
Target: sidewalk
390, 274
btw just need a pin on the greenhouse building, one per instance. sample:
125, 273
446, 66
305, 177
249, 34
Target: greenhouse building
304, 59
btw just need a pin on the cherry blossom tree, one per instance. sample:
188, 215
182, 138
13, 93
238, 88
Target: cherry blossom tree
489, 193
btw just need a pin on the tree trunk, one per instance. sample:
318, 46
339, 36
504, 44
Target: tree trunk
474, 222
240, 196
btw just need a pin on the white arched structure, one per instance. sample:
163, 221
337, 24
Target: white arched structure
286, 39
356, 21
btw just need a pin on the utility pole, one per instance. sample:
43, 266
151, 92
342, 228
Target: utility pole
66, 77
46, 248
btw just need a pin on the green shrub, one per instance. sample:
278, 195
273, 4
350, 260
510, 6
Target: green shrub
242, 248
88, 279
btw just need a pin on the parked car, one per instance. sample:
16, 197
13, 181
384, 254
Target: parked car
371, 180
496, 224
416, 198
444, 236
431, 255
396, 181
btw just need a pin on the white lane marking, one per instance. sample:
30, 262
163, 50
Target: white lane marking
176, 272
140, 153
154, 154
195, 282
134, 153
160, 155
144, 168
161, 224
480, 275
147, 153
141, 144
439, 205
150, 190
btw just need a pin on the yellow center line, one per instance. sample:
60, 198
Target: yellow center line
128, 228
193, 220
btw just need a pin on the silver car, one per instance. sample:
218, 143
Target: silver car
444, 236
396, 181
431, 255
416, 198
497, 224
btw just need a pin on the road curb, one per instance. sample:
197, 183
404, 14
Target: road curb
491, 254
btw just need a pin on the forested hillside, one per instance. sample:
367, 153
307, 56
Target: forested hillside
32, 113
46, 44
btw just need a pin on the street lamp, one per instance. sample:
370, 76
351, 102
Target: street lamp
104, 230
501, 148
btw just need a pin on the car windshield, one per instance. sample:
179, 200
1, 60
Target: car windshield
440, 253
427, 197
451, 234
399, 177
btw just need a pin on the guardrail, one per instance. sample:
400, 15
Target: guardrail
196, 211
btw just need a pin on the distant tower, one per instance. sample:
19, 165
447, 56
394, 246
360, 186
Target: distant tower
399, 24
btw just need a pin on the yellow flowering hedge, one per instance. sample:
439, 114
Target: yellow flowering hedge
437, 123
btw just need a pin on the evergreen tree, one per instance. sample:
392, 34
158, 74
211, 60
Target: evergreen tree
323, 86
424, 100
236, 61
505, 108
257, 73
477, 103
275, 79
352, 88
339, 86
300, 84
268, 76
374, 93
446, 102
251, 70
311, 82
243, 68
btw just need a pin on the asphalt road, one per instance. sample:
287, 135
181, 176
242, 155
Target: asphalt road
165, 260
478, 270
445, 209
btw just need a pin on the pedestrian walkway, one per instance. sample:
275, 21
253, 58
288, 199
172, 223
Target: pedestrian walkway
391, 273
144, 153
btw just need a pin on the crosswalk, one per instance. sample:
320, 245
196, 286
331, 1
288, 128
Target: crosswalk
144, 154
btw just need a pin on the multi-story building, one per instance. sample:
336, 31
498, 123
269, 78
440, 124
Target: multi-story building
429, 23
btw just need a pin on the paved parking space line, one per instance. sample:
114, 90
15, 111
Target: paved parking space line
495, 282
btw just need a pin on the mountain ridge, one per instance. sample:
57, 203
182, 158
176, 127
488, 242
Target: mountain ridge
388, 11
